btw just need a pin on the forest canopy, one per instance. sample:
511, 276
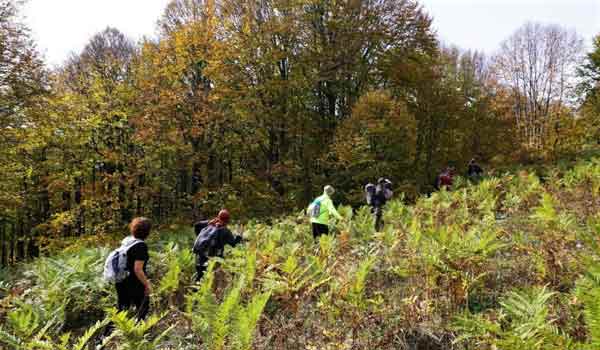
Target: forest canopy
256, 105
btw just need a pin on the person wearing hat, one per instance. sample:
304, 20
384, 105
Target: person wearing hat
320, 209
212, 236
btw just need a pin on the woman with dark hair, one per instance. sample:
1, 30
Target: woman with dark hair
212, 236
135, 289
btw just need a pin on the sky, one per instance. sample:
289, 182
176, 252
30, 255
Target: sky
64, 26
483, 24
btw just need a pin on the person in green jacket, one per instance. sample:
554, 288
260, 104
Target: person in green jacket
319, 211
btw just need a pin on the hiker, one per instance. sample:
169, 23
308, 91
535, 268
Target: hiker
126, 268
474, 171
445, 179
135, 289
377, 197
212, 236
319, 211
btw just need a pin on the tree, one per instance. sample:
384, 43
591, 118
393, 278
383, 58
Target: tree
538, 63
22, 74
589, 89
590, 72
23, 86
180, 13
378, 139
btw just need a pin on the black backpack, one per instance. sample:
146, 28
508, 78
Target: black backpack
206, 242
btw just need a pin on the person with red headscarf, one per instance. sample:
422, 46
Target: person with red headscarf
211, 238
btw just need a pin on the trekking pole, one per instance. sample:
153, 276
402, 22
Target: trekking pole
143, 308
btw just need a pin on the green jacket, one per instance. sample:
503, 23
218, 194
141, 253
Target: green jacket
326, 208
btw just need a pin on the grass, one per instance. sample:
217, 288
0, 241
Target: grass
509, 263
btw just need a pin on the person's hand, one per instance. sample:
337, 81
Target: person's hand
148, 289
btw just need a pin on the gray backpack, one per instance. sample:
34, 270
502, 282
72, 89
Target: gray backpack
115, 266
206, 242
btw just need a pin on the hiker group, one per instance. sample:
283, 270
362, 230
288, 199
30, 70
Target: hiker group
126, 266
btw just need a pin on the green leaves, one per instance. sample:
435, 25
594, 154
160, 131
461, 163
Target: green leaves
247, 320
358, 284
229, 320
132, 334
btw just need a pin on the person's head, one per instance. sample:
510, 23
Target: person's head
140, 227
329, 190
224, 216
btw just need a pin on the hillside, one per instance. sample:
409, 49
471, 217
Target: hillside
509, 263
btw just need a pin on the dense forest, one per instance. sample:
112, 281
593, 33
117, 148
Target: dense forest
255, 105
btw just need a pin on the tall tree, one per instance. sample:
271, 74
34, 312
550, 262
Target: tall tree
23, 84
538, 62
589, 90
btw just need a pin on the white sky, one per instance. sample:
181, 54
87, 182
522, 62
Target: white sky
483, 24
64, 26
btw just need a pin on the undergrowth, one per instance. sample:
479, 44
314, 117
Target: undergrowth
508, 263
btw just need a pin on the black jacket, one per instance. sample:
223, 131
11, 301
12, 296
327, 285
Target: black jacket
474, 169
224, 236
379, 199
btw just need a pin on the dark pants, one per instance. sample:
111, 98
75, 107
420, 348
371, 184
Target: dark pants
378, 213
126, 298
319, 229
201, 262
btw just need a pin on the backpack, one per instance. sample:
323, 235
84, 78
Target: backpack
388, 194
314, 209
369, 193
115, 266
206, 242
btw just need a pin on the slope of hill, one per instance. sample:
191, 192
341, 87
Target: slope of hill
509, 263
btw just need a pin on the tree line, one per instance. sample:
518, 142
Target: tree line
254, 105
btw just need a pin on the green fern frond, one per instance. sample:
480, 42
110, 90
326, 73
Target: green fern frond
89, 334
247, 320
11, 340
222, 322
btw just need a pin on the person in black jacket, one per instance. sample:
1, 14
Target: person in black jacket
212, 236
377, 197
474, 171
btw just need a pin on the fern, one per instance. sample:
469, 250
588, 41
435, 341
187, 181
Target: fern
226, 313
357, 288
89, 334
9, 339
247, 319
201, 306
171, 280
546, 212
528, 312
135, 335
588, 292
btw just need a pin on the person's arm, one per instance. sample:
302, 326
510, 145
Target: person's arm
332, 210
138, 269
229, 238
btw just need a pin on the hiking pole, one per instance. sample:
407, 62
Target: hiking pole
144, 306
